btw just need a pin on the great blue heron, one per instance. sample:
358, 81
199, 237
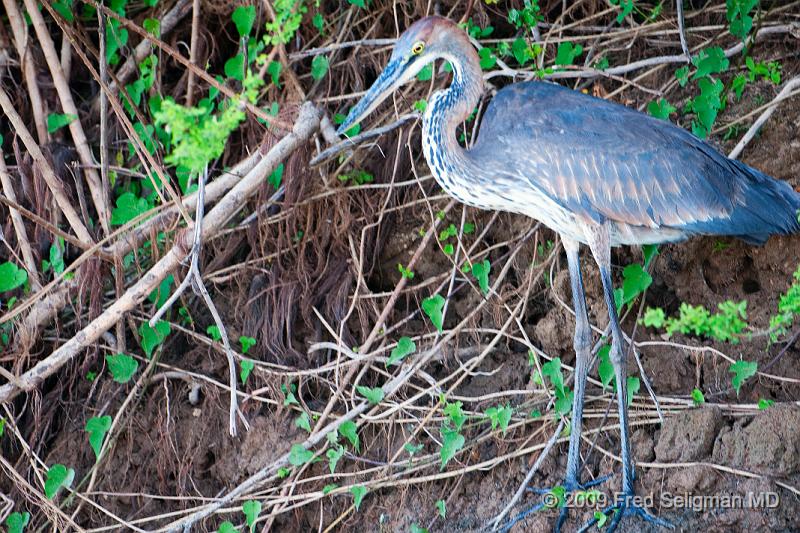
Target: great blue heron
596, 172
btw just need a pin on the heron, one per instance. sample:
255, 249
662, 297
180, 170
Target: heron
597, 173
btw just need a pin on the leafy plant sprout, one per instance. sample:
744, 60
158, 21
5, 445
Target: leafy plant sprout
596, 172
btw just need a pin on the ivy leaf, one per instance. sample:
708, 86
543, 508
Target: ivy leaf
330, 487
276, 176
152, 337
601, 518
245, 368
16, 522
654, 317
64, 8
299, 456
129, 206
552, 370
487, 58
682, 75
319, 67
455, 413
349, 430
440, 505
251, 509
425, 73
334, 455
243, 17
358, 491
500, 416
227, 527
358, 3
58, 476
405, 347
741, 371
605, 369
452, 441
649, 252
633, 388
433, 306
635, 280
247, 343
373, 395
97, 427
11, 276
661, 108
481, 273
122, 367
234, 67
521, 50
710, 61
56, 121
567, 53
697, 397
274, 71
303, 421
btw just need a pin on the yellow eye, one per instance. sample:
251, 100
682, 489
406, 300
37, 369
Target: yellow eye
418, 47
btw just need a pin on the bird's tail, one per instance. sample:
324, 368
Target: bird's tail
766, 207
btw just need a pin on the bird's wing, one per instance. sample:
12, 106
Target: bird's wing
603, 161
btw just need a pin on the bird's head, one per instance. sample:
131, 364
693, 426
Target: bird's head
423, 42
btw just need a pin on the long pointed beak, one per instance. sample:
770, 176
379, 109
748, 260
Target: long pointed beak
386, 83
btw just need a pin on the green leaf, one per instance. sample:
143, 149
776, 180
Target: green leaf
330, 487
601, 518
454, 412
416, 528
97, 427
710, 61
160, 294
234, 67
58, 476
697, 397
421, 105
560, 494
299, 456
251, 509
649, 252
246, 366
552, 370
319, 67
334, 455
227, 527
11, 276
373, 395
764, 404
682, 75
152, 337
635, 280
481, 273
349, 430
425, 73
247, 343
432, 307
500, 416
405, 347
654, 317
56, 121
122, 367
442, 507
64, 8
633, 388
318, 22
741, 371
303, 421
152, 26
412, 448
243, 17
358, 3
276, 176
521, 50
274, 71
283, 472
567, 53
452, 442
605, 369
214, 332
487, 59
129, 206
661, 108
16, 522
358, 491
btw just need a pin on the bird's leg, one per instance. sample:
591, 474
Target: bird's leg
624, 502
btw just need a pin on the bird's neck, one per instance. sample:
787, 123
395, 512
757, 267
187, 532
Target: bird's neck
446, 110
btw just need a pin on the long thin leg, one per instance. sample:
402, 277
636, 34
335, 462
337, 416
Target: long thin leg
583, 345
601, 250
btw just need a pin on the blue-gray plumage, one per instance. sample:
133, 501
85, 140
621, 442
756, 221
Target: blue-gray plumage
594, 171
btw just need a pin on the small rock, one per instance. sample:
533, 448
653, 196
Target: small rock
642, 445
689, 436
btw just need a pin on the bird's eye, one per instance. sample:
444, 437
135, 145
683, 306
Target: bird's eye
418, 47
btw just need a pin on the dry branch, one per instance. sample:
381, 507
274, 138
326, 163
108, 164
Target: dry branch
307, 122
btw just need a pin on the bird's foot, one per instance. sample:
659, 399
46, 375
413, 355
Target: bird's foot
557, 497
626, 505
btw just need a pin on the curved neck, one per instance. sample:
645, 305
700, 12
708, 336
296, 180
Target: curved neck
459, 100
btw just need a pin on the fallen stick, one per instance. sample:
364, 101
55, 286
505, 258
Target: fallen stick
306, 124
